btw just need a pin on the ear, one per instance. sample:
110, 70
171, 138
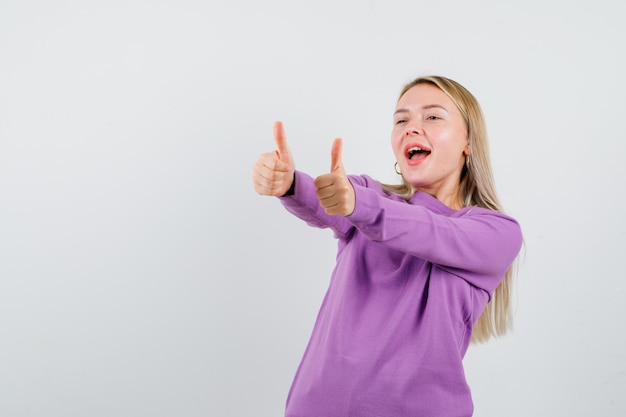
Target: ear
467, 150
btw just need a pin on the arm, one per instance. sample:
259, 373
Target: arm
325, 201
472, 239
304, 204
273, 172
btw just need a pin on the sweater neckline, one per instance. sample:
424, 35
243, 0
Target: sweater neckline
424, 199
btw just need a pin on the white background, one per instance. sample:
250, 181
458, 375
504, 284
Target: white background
141, 275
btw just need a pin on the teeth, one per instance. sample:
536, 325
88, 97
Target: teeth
412, 151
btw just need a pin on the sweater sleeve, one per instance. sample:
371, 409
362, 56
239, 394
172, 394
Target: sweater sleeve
466, 242
303, 203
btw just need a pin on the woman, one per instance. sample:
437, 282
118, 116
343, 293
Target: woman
422, 267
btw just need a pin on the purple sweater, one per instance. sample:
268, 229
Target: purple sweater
411, 280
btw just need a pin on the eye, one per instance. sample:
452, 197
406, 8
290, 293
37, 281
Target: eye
400, 121
432, 117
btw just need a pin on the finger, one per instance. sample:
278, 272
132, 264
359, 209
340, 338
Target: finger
277, 165
281, 141
324, 194
269, 182
268, 175
269, 162
335, 155
324, 181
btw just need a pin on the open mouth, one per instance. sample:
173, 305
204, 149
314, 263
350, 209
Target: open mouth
416, 152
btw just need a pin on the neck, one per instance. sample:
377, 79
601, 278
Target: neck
450, 198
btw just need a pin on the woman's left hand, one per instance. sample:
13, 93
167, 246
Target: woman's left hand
334, 190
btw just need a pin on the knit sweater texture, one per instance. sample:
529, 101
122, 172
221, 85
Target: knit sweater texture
411, 279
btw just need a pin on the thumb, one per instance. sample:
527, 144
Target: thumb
335, 155
281, 141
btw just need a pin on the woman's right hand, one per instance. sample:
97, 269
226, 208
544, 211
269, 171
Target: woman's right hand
273, 172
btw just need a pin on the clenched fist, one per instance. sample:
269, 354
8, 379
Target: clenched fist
334, 190
273, 172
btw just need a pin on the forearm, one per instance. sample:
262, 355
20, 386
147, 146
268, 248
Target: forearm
302, 202
472, 239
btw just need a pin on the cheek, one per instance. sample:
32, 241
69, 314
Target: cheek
461, 135
397, 151
456, 141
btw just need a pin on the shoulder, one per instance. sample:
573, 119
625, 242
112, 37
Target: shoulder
365, 185
364, 181
485, 213
491, 221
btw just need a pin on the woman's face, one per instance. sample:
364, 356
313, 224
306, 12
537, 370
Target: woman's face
429, 140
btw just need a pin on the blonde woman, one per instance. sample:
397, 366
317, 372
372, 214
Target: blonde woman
422, 267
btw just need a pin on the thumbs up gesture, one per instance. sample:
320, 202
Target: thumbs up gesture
273, 172
334, 190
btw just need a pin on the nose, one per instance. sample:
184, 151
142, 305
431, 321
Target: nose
413, 129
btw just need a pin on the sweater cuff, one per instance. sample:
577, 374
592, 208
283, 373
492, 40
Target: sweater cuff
302, 191
292, 189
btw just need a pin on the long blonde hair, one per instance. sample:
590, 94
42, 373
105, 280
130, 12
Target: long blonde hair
476, 188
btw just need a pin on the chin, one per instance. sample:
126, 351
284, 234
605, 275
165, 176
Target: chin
415, 182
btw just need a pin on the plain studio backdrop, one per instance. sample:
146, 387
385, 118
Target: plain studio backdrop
141, 275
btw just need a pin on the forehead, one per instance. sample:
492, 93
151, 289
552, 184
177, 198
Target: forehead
425, 95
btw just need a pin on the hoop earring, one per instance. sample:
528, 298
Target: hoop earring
397, 169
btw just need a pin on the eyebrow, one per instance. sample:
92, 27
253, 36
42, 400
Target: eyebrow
426, 107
